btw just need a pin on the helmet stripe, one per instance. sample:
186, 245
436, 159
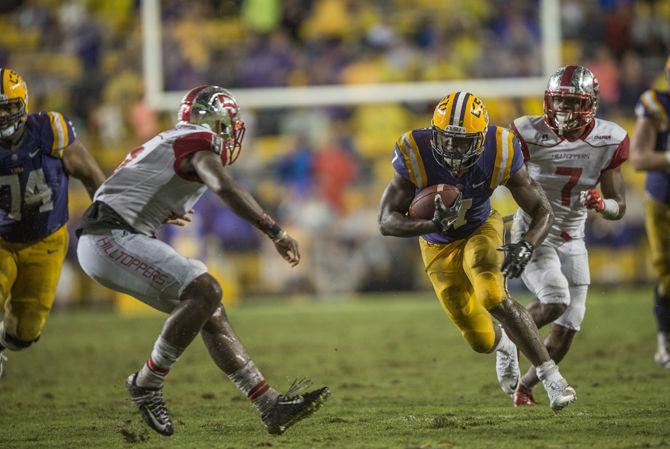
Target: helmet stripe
454, 105
566, 79
463, 108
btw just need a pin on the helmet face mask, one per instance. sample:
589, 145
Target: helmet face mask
13, 103
456, 152
459, 129
216, 109
571, 99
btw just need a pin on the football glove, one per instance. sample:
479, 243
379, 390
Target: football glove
445, 216
591, 199
517, 256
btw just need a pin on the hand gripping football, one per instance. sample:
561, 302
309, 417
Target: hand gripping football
423, 204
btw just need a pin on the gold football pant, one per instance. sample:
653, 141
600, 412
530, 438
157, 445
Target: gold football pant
468, 282
657, 222
29, 274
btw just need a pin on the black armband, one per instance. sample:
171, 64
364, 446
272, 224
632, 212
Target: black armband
270, 227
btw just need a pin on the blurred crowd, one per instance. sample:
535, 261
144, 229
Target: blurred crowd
321, 171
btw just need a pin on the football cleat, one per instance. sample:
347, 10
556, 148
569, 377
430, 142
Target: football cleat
507, 370
3, 360
152, 406
292, 406
662, 357
523, 396
560, 393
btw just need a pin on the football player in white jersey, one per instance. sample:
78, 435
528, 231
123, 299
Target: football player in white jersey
160, 180
568, 151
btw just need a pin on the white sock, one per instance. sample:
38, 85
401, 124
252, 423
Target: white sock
548, 371
157, 366
250, 381
505, 345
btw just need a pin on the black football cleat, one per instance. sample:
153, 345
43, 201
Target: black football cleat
152, 406
291, 407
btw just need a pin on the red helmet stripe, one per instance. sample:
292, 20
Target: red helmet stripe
188, 100
566, 79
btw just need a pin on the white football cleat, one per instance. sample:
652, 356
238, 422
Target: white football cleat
507, 370
3, 360
560, 393
662, 357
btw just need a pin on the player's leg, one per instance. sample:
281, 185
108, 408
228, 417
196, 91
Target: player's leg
37, 272
482, 264
444, 265
278, 412
657, 222
544, 277
559, 276
8, 272
155, 273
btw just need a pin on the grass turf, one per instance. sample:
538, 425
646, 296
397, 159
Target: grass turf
400, 374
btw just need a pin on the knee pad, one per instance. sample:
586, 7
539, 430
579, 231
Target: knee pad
481, 342
574, 315
490, 289
12, 343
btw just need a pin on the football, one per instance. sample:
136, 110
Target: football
423, 204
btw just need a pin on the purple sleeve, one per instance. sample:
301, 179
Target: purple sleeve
518, 159
399, 163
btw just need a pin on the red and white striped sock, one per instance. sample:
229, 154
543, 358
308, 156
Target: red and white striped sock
157, 366
250, 381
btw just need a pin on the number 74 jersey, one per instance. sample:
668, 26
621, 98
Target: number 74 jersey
564, 168
33, 181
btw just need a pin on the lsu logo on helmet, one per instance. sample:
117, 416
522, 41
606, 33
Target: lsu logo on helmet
459, 128
14, 100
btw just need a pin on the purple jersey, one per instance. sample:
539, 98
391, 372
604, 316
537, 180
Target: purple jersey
33, 181
413, 160
656, 105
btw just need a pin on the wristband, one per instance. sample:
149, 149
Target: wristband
611, 209
270, 227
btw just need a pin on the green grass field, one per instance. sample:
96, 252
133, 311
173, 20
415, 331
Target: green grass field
400, 374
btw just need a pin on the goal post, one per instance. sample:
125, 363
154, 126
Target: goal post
331, 95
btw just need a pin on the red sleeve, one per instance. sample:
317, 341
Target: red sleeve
185, 146
620, 155
524, 147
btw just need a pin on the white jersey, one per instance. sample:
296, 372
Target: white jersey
147, 188
564, 168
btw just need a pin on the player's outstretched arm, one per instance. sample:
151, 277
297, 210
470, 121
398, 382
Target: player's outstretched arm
642, 154
79, 163
209, 168
395, 202
531, 198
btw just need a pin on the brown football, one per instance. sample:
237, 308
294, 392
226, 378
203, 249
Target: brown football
423, 204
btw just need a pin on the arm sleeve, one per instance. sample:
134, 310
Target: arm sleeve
524, 147
57, 133
399, 162
519, 157
620, 155
650, 106
185, 146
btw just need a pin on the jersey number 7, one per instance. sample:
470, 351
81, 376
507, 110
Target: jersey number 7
574, 173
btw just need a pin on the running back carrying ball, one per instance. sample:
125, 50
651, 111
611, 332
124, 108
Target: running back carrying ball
423, 204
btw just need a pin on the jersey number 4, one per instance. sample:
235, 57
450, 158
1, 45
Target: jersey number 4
37, 192
574, 173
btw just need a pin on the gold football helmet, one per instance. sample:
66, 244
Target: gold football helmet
13, 103
459, 129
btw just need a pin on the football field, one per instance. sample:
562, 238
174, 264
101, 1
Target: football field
401, 377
